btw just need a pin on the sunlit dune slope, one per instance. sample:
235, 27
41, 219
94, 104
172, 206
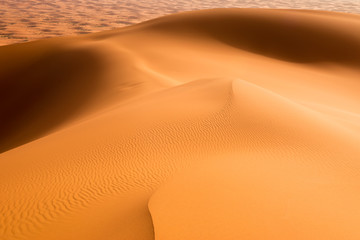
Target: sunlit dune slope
216, 124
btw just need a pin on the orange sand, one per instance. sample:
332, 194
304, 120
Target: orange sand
22, 21
217, 124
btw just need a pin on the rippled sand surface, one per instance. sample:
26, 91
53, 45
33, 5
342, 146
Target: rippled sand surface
23, 21
224, 124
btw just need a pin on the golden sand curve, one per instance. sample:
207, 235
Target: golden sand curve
215, 124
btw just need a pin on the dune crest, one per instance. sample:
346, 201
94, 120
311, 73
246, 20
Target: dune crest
216, 124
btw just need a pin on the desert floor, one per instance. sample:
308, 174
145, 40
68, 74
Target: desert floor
22, 21
214, 124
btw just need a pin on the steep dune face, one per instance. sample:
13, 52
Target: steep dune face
45, 92
44, 86
218, 124
288, 35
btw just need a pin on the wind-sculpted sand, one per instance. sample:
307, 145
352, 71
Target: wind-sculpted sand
215, 124
22, 21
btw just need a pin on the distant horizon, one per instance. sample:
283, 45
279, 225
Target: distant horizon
35, 19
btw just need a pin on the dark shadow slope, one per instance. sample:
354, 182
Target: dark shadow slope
44, 91
289, 35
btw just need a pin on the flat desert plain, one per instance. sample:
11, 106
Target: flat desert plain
22, 21
214, 124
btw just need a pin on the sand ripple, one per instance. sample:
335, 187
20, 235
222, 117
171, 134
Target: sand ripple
216, 124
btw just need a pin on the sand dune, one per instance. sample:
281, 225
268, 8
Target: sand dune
215, 124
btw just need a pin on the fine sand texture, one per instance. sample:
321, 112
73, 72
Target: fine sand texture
215, 124
22, 21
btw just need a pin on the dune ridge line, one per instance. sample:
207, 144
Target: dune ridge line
213, 124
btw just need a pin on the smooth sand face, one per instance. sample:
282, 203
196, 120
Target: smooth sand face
22, 21
218, 124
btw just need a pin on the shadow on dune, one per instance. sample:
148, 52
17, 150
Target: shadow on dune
44, 93
48, 90
277, 34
